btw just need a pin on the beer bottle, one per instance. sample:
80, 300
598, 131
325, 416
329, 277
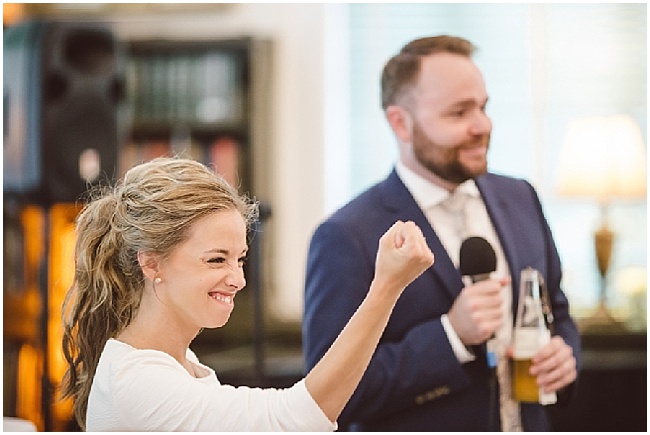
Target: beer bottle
529, 335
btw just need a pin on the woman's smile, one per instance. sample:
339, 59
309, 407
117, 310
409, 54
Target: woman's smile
224, 298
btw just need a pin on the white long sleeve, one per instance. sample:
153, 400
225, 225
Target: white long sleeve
148, 390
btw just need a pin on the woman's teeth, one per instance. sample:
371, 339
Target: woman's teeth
222, 298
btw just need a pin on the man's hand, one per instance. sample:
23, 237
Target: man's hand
477, 311
554, 365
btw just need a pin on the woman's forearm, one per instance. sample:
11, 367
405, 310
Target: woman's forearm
333, 380
402, 256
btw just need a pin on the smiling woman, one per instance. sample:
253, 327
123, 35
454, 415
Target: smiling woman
158, 258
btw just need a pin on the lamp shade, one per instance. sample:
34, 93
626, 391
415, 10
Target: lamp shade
602, 157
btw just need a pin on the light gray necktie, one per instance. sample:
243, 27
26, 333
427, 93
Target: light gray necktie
454, 207
462, 209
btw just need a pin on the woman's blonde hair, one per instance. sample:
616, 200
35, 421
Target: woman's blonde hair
150, 210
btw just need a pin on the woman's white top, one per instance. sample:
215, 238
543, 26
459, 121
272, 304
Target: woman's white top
148, 390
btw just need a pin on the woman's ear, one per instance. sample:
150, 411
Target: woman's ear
149, 263
401, 121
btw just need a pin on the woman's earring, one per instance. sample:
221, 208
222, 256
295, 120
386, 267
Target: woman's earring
158, 280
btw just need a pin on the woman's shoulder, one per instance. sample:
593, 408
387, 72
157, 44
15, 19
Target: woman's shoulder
130, 383
116, 350
120, 358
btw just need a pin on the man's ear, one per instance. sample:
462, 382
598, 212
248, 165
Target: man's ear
149, 263
401, 121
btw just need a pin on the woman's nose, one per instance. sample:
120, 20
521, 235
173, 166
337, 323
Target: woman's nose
236, 278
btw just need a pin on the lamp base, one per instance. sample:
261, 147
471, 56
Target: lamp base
601, 321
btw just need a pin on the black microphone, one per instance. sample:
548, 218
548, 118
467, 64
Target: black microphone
477, 260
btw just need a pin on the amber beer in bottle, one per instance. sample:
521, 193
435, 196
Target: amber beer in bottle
529, 335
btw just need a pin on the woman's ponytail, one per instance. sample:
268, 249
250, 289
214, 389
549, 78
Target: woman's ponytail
103, 298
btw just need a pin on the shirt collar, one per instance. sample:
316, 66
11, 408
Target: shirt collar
427, 194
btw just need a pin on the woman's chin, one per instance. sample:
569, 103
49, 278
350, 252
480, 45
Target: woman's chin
217, 323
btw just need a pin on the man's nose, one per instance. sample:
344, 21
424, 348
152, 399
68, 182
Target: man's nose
481, 124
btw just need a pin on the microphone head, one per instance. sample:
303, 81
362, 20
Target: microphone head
477, 257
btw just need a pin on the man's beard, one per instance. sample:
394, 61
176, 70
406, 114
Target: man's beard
441, 161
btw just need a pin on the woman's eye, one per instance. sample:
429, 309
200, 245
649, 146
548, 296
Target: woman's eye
217, 260
242, 261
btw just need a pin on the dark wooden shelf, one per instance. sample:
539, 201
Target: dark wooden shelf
611, 393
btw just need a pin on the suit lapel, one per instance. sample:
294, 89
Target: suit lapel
398, 201
498, 209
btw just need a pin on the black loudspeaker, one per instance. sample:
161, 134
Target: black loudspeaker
63, 84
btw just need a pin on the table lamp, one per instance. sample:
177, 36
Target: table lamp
603, 158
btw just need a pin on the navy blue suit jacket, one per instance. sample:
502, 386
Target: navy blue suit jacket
414, 381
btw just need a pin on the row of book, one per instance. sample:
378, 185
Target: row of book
204, 87
222, 154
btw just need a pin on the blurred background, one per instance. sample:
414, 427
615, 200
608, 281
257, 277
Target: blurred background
283, 99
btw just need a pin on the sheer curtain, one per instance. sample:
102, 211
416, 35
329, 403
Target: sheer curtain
544, 64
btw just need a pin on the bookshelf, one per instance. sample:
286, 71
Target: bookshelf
190, 98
